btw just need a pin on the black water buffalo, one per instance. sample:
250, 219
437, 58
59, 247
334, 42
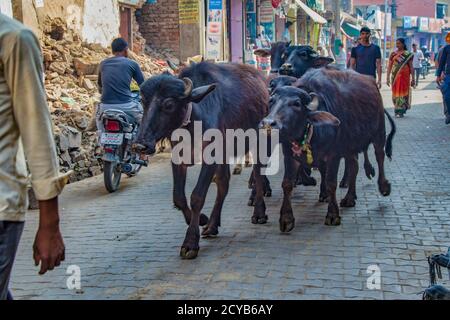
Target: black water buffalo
221, 96
344, 112
297, 61
276, 54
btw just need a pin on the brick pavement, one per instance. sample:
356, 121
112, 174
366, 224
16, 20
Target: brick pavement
127, 244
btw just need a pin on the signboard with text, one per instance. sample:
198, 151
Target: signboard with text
188, 11
214, 33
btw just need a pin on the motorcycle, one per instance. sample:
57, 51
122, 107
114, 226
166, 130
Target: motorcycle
426, 65
120, 130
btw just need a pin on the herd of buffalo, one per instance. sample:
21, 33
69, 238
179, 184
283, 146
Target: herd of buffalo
338, 114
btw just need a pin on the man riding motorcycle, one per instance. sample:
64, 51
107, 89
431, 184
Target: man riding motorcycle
115, 79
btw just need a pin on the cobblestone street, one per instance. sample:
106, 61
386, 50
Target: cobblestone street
127, 244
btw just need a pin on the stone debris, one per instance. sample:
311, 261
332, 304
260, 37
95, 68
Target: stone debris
71, 76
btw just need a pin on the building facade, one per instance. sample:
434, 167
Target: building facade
228, 30
96, 21
418, 21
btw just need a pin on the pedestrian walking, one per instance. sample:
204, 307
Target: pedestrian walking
401, 75
443, 77
26, 133
366, 57
417, 64
341, 58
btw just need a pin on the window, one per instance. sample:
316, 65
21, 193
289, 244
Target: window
441, 10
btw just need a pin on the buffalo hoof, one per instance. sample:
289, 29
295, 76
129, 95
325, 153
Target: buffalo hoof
343, 184
348, 202
309, 182
323, 198
237, 170
188, 254
287, 224
268, 194
333, 221
260, 220
210, 232
203, 220
385, 188
370, 171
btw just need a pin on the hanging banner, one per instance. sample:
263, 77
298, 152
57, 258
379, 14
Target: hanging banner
188, 11
214, 30
266, 12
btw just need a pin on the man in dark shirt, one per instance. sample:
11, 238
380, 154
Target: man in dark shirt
366, 57
115, 77
443, 78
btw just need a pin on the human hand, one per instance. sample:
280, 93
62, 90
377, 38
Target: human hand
48, 247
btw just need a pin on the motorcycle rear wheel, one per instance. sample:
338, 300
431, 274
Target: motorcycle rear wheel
112, 175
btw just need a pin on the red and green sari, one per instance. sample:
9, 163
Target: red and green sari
401, 80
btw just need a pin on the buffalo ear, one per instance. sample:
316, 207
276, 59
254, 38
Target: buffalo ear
198, 94
321, 62
264, 53
320, 118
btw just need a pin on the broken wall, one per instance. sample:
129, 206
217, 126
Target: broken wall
6, 7
95, 21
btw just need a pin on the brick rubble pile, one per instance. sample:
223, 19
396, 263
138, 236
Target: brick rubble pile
71, 68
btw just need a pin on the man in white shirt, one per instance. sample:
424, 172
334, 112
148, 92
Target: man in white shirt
341, 58
417, 63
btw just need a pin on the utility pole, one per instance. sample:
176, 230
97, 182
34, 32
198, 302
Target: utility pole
337, 24
386, 10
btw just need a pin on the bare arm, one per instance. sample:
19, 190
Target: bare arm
24, 73
389, 70
353, 63
379, 71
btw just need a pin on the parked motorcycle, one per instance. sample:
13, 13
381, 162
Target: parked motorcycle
120, 130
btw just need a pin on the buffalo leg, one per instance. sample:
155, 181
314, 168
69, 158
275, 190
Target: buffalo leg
190, 247
353, 167
368, 168
323, 197
383, 184
287, 220
179, 195
304, 177
259, 212
223, 184
333, 218
345, 179
252, 186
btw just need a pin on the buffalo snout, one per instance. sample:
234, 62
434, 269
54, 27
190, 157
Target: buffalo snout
286, 69
270, 124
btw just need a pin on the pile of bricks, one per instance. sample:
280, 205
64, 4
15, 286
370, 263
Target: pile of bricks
71, 76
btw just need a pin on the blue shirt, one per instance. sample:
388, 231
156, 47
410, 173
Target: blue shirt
115, 78
366, 59
444, 61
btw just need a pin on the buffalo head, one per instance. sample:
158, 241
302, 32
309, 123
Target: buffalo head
291, 110
299, 59
281, 81
167, 101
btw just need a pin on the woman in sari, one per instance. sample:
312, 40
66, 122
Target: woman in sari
401, 72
